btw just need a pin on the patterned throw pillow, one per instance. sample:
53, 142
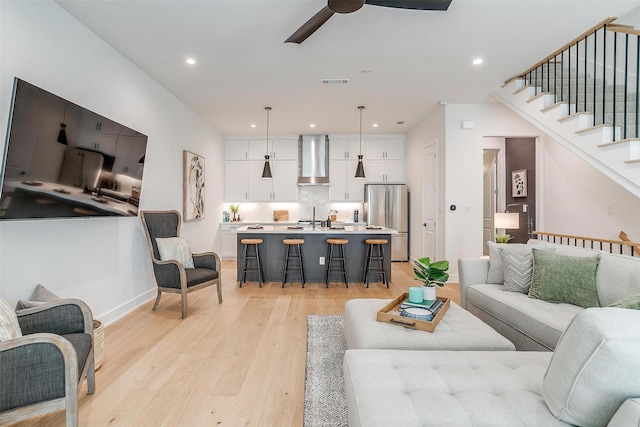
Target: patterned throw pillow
176, 248
560, 278
9, 326
631, 302
517, 270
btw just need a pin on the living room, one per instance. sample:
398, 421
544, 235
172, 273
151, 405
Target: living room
105, 261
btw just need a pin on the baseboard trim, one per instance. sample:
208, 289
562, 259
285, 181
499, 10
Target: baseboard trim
126, 308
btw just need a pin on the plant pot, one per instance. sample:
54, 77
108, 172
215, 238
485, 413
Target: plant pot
429, 293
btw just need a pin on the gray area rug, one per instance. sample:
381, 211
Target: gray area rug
325, 404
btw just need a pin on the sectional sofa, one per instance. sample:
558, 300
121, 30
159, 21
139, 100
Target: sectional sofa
533, 323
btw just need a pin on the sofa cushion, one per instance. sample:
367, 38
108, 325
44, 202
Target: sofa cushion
559, 278
618, 276
496, 266
628, 415
446, 388
595, 367
631, 302
539, 320
9, 326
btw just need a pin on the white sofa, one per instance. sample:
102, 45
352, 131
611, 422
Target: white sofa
591, 380
534, 324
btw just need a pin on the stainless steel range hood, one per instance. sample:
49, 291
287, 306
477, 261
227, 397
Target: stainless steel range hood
313, 160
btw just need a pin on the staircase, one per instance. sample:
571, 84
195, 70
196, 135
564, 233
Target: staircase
575, 96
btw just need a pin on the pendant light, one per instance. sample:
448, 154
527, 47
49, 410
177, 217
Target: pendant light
266, 171
62, 134
360, 167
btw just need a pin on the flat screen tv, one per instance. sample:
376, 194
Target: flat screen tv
64, 161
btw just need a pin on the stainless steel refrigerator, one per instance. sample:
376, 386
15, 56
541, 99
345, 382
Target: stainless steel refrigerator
388, 205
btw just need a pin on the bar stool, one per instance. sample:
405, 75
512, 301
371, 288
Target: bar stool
369, 269
255, 243
339, 257
293, 255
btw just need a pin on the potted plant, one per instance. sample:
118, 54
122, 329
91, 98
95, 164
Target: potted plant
234, 209
503, 238
431, 274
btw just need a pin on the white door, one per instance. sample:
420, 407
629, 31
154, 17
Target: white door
490, 193
430, 202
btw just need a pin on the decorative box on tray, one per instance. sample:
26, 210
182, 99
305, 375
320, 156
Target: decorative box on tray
391, 314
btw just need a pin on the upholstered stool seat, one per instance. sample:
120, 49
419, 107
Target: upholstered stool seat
293, 253
248, 257
338, 258
375, 245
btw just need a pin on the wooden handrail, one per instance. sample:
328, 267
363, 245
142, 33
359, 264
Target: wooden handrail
571, 43
624, 238
621, 243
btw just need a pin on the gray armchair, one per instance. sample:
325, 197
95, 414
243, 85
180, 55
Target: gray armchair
42, 371
171, 276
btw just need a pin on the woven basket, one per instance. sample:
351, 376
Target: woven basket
98, 343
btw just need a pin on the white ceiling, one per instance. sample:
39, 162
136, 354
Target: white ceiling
416, 58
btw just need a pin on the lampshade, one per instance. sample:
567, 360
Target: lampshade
360, 168
62, 135
507, 220
266, 171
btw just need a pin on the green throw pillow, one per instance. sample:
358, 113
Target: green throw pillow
632, 302
559, 278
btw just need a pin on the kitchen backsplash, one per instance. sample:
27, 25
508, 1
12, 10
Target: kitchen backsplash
308, 197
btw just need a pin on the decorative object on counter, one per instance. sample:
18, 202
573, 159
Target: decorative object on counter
225, 216
266, 171
193, 186
328, 224
431, 274
356, 216
281, 215
360, 167
234, 209
333, 213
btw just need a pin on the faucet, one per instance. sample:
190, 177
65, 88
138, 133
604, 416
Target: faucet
313, 220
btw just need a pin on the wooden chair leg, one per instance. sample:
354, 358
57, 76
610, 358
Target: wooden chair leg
155, 305
219, 285
184, 304
91, 374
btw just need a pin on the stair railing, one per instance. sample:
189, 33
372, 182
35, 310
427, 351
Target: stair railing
622, 247
598, 72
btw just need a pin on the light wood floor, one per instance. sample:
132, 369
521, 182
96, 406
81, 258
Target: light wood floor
241, 363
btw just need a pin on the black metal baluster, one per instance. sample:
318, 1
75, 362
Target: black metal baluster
637, 82
626, 85
561, 76
615, 80
595, 73
585, 75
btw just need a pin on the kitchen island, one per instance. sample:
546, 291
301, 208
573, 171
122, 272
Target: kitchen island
272, 251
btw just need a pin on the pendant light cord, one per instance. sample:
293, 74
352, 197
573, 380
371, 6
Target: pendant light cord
268, 109
361, 108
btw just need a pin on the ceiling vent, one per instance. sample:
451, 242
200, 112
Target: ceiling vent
335, 81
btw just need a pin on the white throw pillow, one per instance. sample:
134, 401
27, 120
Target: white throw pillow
9, 326
175, 248
594, 367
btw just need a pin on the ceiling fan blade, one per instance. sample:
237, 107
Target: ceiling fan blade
310, 26
412, 4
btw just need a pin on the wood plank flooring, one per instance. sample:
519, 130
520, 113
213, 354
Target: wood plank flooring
241, 363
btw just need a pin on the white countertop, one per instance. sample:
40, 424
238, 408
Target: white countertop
279, 229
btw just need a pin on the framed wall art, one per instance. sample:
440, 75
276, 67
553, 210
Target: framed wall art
519, 183
193, 186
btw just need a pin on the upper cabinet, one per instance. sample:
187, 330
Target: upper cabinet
343, 148
385, 160
97, 141
96, 122
277, 149
129, 153
236, 149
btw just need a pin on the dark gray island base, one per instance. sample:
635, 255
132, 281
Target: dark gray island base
272, 252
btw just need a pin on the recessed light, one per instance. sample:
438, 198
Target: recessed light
191, 61
366, 70
312, 125
253, 125
375, 125
478, 61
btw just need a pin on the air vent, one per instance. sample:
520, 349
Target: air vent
335, 81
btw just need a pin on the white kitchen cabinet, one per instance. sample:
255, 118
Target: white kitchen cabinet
97, 141
96, 122
129, 151
278, 149
385, 149
344, 148
344, 186
283, 187
236, 181
236, 149
378, 171
228, 240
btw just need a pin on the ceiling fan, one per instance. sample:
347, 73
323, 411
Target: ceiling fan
349, 6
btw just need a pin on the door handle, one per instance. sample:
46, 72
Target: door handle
424, 224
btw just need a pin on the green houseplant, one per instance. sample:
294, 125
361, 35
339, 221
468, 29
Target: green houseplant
431, 274
234, 209
503, 238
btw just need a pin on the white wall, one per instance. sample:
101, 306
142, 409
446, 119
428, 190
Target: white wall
103, 261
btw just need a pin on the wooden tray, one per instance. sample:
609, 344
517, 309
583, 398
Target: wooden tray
282, 215
390, 314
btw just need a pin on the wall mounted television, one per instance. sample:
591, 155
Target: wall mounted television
64, 161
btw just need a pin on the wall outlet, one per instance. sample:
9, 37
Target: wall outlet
321, 260
609, 208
